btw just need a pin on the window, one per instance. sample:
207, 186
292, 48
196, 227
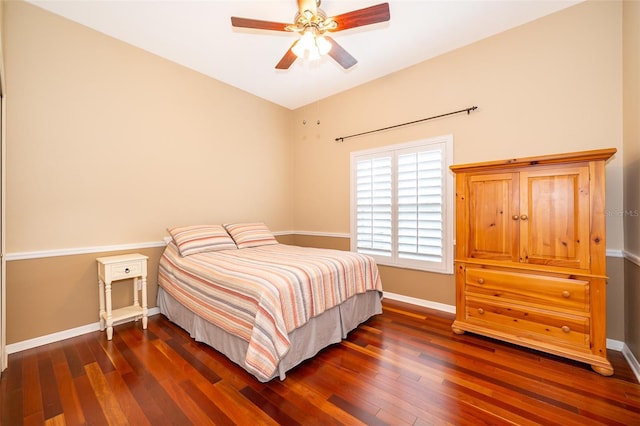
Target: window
402, 204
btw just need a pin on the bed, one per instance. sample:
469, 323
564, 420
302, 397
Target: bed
266, 306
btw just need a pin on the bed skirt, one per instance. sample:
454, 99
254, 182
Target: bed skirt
321, 331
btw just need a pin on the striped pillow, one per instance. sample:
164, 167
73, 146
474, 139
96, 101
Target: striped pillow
201, 238
250, 234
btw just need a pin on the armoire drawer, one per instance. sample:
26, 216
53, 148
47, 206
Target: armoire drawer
545, 291
531, 323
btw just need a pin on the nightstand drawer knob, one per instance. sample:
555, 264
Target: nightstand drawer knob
566, 294
480, 280
127, 270
480, 311
566, 328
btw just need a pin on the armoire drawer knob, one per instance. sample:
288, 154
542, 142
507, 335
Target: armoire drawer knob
566, 294
566, 328
480, 311
480, 280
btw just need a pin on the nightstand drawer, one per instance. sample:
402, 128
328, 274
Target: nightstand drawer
114, 268
124, 270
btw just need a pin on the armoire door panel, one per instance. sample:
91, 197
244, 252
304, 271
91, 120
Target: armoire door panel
493, 233
554, 225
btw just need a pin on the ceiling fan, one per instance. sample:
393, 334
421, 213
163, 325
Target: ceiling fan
312, 24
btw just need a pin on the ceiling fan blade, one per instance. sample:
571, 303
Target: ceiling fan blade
288, 59
257, 24
340, 55
360, 17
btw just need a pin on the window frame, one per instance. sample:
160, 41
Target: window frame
445, 143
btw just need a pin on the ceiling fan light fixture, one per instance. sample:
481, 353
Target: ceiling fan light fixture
304, 44
312, 44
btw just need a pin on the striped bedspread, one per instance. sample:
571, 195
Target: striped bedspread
263, 293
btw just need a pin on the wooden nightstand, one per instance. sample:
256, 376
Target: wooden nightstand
114, 268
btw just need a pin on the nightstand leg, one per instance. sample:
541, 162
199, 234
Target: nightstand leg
135, 291
102, 311
144, 303
107, 291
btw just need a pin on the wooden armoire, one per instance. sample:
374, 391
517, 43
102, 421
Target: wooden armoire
531, 254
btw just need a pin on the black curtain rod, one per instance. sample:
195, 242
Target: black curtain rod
468, 110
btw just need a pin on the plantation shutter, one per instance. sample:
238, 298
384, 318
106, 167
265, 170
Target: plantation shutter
374, 198
419, 206
402, 204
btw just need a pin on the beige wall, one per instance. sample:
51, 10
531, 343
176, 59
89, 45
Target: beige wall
108, 144
631, 131
93, 119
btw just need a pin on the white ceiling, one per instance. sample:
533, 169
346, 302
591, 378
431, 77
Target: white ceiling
198, 35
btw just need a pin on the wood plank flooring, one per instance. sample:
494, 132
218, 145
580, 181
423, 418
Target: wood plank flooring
404, 367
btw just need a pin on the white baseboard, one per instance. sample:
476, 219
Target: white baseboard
62, 335
633, 362
615, 345
421, 302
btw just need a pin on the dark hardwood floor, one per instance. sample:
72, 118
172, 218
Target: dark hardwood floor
402, 367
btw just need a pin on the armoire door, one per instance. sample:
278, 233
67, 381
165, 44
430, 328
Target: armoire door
554, 216
493, 232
